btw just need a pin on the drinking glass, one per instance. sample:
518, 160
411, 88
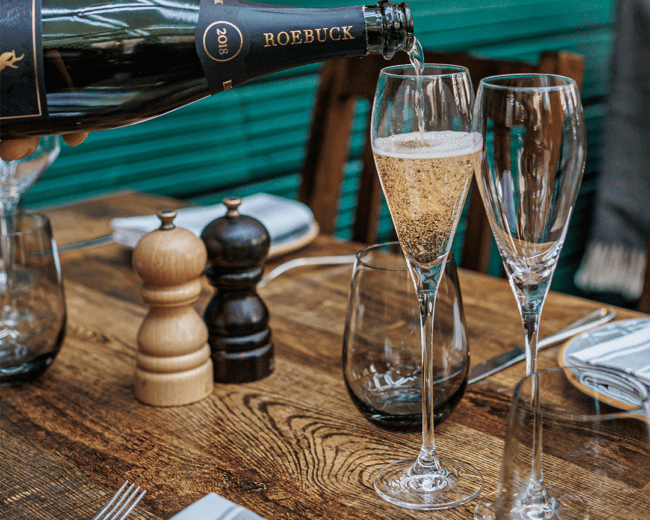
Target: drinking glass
532, 163
426, 156
596, 457
32, 312
382, 355
16, 177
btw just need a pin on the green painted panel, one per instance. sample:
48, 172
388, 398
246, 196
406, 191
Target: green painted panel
252, 138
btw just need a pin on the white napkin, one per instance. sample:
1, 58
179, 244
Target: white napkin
612, 385
283, 218
629, 353
214, 507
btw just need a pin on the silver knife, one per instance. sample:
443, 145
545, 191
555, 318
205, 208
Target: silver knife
86, 244
507, 359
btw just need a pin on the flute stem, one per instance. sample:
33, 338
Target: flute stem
536, 485
531, 299
427, 282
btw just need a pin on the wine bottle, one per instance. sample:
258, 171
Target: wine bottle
73, 65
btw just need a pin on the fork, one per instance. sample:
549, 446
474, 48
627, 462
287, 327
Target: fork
121, 505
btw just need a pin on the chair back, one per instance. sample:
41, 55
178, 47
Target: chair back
644, 301
342, 83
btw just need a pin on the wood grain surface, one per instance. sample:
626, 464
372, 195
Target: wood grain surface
290, 446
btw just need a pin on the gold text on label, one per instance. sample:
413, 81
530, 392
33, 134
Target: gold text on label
307, 36
9, 59
218, 33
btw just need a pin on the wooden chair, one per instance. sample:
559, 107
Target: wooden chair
644, 301
342, 83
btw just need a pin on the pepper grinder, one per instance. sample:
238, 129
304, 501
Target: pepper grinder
173, 360
236, 317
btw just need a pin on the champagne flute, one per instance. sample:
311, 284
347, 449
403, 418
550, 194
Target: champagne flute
596, 453
16, 177
532, 163
426, 156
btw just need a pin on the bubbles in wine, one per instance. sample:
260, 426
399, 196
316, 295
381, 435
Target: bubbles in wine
425, 184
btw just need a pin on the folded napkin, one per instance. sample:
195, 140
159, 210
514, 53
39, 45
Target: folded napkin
284, 219
629, 352
214, 507
611, 385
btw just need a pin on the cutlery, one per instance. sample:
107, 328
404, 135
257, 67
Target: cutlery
507, 359
300, 262
122, 503
86, 244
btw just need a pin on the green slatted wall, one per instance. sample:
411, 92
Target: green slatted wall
253, 137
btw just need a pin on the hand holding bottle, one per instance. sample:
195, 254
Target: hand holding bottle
12, 149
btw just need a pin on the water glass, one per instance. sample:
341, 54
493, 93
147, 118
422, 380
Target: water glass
32, 304
596, 462
382, 356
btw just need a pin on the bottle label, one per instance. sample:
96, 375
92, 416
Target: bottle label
238, 40
222, 42
22, 88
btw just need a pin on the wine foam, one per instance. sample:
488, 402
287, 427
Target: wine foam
436, 145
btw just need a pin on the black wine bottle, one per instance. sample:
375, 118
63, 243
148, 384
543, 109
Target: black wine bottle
73, 65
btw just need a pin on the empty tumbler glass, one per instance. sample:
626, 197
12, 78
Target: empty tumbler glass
382, 357
32, 305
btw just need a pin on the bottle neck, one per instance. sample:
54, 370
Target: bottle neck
389, 28
239, 40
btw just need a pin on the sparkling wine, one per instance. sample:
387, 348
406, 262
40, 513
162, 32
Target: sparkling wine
425, 183
416, 57
71, 65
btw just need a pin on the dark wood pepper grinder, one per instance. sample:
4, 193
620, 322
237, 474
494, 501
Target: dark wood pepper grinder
236, 317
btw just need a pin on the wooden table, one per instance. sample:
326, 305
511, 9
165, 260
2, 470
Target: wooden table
287, 447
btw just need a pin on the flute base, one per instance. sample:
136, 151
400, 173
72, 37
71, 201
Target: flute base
561, 504
400, 483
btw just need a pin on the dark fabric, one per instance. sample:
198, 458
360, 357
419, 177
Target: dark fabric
623, 207
622, 212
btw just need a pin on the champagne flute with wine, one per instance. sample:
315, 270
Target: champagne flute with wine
426, 156
532, 162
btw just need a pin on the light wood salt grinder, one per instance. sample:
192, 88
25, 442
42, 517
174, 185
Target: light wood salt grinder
174, 366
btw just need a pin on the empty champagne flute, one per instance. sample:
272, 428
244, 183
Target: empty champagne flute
426, 156
531, 167
16, 177
596, 456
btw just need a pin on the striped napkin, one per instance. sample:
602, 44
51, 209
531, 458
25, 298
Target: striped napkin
214, 507
629, 353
